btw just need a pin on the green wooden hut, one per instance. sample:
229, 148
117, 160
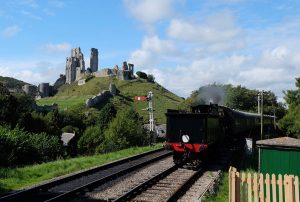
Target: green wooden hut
279, 156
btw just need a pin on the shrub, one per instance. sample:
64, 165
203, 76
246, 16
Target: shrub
107, 113
151, 78
18, 147
124, 131
141, 75
91, 138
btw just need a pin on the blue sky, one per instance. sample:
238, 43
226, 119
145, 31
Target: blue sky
184, 43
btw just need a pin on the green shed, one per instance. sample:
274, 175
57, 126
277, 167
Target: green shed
279, 156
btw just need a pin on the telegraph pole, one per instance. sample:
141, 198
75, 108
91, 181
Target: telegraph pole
258, 103
261, 115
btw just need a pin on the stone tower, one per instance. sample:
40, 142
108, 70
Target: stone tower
74, 65
94, 60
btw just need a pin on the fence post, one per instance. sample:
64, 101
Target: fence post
280, 188
268, 189
297, 189
249, 184
261, 188
274, 185
255, 187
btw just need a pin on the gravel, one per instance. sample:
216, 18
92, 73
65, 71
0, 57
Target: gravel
68, 186
118, 187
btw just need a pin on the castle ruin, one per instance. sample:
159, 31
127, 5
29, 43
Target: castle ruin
94, 60
75, 67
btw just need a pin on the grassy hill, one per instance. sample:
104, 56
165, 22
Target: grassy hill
12, 84
71, 96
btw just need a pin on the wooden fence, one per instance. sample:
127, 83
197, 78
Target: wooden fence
257, 187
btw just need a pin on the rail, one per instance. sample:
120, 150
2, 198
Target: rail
45, 186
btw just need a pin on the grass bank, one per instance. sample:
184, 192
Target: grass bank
18, 178
72, 96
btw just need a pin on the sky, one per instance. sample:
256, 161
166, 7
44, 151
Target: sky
185, 44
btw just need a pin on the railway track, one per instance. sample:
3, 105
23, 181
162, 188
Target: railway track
168, 185
68, 187
180, 184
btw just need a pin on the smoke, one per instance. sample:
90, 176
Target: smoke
211, 94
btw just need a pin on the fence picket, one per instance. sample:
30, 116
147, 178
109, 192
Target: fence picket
285, 189
280, 186
249, 184
292, 188
229, 182
261, 188
267, 181
233, 186
255, 187
243, 187
237, 186
274, 185
297, 197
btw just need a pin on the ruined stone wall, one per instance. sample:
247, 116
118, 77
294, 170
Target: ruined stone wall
95, 100
104, 72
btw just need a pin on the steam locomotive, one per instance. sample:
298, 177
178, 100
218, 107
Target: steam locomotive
191, 134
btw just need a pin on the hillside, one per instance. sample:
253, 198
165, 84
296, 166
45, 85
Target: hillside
12, 84
72, 96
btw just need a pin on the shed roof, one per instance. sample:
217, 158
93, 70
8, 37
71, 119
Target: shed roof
284, 142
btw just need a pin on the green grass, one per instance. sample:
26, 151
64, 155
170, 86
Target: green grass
17, 178
222, 194
72, 95
249, 164
64, 102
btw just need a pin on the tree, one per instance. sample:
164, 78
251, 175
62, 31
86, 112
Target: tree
124, 131
91, 138
107, 113
151, 78
290, 123
141, 75
235, 97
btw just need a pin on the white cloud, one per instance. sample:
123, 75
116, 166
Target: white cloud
152, 50
33, 72
10, 31
218, 32
149, 11
56, 3
31, 15
197, 51
29, 3
56, 48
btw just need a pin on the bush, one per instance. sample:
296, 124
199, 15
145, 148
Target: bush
107, 113
151, 78
124, 131
142, 75
91, 138
18, 147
